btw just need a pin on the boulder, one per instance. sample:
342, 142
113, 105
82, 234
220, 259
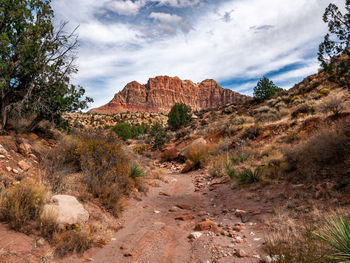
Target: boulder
68, 210
208, 225
195, 235
24, 165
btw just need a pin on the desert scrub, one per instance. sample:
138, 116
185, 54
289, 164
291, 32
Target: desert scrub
136, 171
197, 155
217, 165
333, 104
247, 176
240, 120
251, 132
321, 156
22, 203
303, 109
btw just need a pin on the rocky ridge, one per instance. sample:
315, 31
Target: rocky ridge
162, 92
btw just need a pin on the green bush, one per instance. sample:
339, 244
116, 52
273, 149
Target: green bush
230, 170
158, 135
179, 116
127, 131
136, 171
265, 89
249, 177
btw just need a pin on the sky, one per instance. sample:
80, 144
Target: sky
235, 42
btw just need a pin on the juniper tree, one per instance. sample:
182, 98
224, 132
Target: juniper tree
36, 63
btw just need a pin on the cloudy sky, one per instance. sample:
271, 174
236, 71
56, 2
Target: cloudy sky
235, 42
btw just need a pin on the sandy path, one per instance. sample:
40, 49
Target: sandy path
150, 231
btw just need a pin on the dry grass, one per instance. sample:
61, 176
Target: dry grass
22, 203
322, 156
197, 155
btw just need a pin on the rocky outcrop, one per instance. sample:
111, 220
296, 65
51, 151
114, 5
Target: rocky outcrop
161, 93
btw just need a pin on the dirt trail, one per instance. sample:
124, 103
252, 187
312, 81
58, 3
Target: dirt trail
151, 234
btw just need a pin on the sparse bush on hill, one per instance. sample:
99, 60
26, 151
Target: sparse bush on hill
333, 104
197, 156
265, 89
324, 155
303, 109
22, 203
127, 131
179, 116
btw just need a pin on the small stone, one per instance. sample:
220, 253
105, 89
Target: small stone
113, 239
3, 151
174, 209
164, 194
240, 213
184, 207
156, 211
240, 253
15, 171
25, 149
2, 156
24, 165
128, 254
123, 248
184, 218
40, 242
195, 235
8, 168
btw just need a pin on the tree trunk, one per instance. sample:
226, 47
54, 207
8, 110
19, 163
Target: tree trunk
3, 114
35, 123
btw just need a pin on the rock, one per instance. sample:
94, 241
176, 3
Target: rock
3, 151
240, 253
184, 207
15, 171
8, 168
68, 210
208, 225
24, 165
188, 167
174, 209
156, 211
161, 93
164, 194
25, 149
123, 248
184, 218
240, 213
40, 242
128, 254
2, 156
195, 235
237, 228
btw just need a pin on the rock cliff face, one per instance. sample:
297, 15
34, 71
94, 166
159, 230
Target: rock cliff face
161, 93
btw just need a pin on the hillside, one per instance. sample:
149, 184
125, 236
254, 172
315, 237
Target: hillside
161, 93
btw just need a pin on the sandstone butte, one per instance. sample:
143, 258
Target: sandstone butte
162, 92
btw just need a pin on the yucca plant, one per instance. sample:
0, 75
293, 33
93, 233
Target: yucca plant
230, 170
136, 172
336, 233
248, 177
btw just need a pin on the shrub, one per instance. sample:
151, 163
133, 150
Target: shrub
336, 233
136, 171
332, 104
77, 239
22, 203
169, 155
248, 177
106, 168
197, 155
323, 155
127, 131
140, 149
251, 132
240, 120
265, 89
179, 116
159, 135
303, 109
230, 170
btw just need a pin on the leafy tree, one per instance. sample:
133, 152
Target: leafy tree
334, 51
265, 89
179, 115
36, 62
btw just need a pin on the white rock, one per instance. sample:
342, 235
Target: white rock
195, 235
3, 151
68, 209
156, 211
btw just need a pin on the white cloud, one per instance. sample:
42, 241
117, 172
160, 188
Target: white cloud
177, 3
262, 36
125, 7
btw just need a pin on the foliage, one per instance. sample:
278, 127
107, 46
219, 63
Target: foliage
36, 63
136, 171
337, 234
127, 131
334, 51
265, 89
179, 115
248, 177
158, 135
22, 203
304, 108
230, 170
